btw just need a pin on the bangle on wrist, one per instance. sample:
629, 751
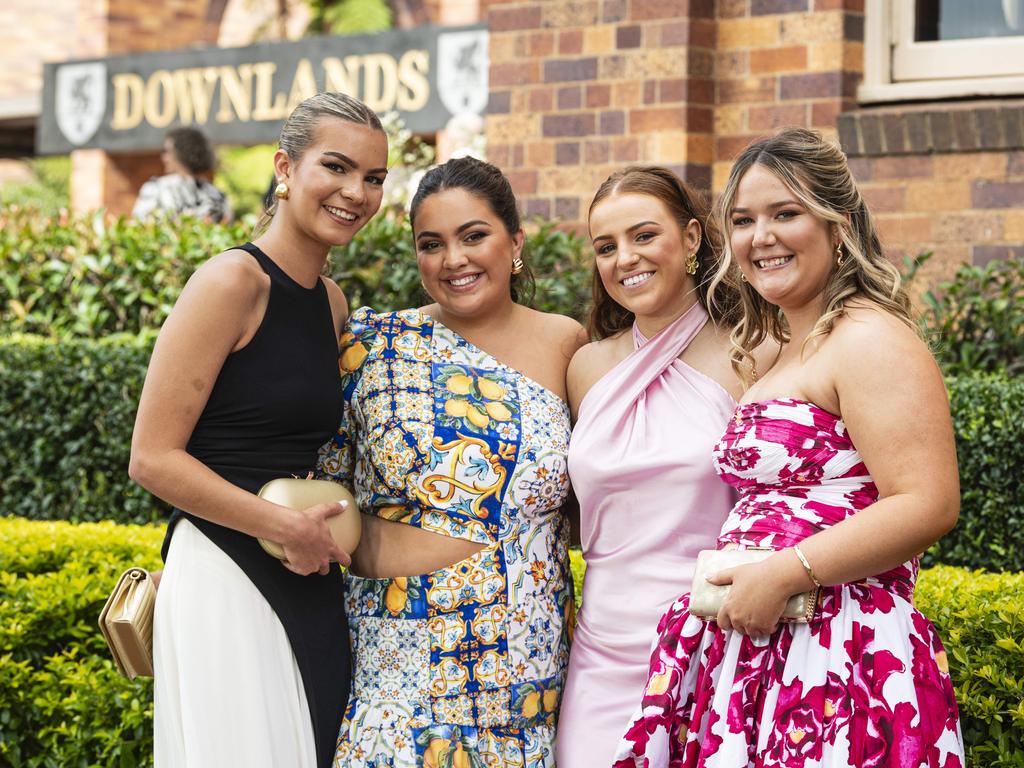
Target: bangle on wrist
807, 566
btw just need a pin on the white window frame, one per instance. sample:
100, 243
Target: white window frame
898, 68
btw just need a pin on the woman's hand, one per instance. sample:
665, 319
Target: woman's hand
311, 548
759, 593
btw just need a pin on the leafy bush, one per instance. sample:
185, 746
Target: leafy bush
980, 617
62, 702
67, 410
92, 276
988, 419
48, 191
66, 414
976, 320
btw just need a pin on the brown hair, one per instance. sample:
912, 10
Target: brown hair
817, 173
608, 317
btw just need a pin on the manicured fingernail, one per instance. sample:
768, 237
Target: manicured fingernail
343, 504
709, 576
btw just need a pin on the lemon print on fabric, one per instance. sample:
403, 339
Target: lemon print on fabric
449, 747
354, 345
537, 701
477, 402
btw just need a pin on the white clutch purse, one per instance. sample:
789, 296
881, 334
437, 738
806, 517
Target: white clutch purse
706, 599
299, 493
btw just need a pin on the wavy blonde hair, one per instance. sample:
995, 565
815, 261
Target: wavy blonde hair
817, 173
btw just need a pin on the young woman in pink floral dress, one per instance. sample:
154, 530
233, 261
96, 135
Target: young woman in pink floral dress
842, 453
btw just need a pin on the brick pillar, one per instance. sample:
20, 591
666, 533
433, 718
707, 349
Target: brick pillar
783, 63
100, 179
580, 88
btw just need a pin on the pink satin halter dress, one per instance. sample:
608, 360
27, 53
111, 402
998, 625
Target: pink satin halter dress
640, 463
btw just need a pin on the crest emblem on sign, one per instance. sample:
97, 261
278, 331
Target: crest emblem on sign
81, 100
462, 71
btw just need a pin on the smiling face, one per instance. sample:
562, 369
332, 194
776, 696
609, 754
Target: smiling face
785, 252
641, 252
464, 252
337, 184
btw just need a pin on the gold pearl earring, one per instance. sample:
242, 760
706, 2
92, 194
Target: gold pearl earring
281, 191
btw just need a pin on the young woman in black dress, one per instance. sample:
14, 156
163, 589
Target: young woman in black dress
251, 654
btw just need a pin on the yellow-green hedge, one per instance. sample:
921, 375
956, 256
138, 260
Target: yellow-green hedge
63, 704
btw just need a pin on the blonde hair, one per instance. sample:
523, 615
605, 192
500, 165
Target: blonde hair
817, 173
299, 130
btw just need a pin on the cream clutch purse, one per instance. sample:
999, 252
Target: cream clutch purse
126, 622
299, 493
706, 599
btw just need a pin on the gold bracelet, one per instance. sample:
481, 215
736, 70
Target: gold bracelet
806, 565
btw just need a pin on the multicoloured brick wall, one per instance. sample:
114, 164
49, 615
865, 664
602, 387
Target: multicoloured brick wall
581, 87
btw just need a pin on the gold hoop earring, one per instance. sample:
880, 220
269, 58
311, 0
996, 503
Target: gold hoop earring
839, 255
281, 191
691, 263
517, 265
743, 277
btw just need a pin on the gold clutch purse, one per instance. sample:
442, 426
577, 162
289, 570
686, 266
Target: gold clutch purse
126, 622
300, 493
706, 599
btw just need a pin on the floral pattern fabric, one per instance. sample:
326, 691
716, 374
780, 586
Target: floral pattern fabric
865, 684
462, 667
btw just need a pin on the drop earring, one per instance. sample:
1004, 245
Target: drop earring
839, 255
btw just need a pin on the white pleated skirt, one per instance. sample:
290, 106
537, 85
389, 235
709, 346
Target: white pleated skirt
227, 689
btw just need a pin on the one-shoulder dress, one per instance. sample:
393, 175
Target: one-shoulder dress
649, 502
865, 684
463, 666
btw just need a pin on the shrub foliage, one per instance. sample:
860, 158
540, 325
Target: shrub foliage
63, 703
91, 276
67, 410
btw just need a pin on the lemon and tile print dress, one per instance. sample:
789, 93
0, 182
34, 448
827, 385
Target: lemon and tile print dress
462, 667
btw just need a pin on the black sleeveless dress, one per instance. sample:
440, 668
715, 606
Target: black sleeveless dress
275, 402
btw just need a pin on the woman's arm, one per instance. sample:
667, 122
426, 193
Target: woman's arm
217, 312
894, 404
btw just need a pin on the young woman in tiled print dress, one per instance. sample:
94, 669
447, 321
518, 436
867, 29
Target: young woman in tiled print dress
843, 456
455, 434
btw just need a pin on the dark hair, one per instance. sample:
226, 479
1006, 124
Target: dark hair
608, 317
192, 149
488, 183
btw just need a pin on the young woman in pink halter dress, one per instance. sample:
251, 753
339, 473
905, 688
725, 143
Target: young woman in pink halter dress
842, 453
651, 396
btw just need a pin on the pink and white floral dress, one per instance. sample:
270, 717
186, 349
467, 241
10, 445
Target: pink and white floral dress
864, 684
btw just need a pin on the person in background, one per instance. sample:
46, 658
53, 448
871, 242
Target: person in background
650, 395
842, 453
186, 188
454, 435
251, 654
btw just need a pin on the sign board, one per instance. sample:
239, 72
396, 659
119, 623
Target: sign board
242, 95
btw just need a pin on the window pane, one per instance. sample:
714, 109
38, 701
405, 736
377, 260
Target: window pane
956, 19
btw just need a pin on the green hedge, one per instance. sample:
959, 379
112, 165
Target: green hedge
988, 418
66, 414
91, 276
67, 410
63, 704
